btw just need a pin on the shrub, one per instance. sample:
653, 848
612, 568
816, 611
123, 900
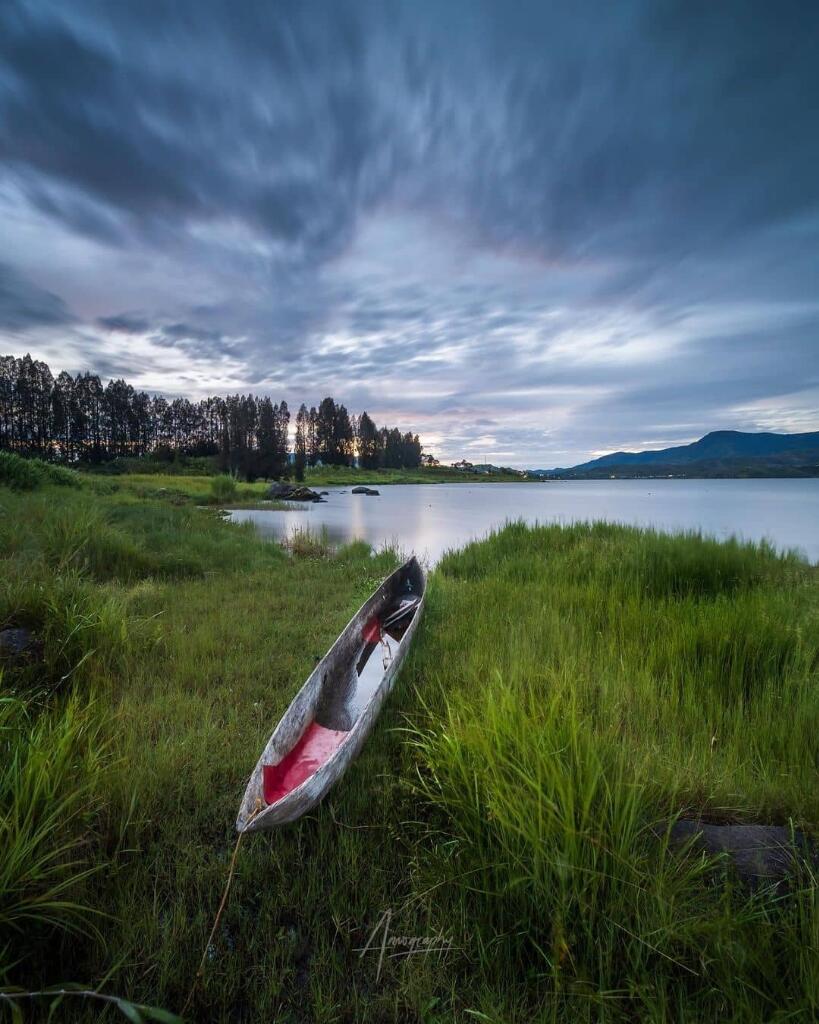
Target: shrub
29, 474
302, 543
162, 461
223, 488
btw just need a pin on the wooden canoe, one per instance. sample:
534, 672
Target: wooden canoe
330, 717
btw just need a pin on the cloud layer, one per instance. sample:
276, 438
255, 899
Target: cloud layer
531, 231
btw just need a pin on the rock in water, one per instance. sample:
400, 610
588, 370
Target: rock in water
304, 494
287, 492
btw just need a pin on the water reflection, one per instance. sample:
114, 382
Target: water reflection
428, 519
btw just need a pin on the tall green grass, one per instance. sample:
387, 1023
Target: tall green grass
76, 570
582, 687
124, 537
81, 633
50, 772
696, 658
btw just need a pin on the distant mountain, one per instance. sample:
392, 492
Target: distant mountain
720, 453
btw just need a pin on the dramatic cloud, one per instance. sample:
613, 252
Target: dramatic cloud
24, 305
531, 231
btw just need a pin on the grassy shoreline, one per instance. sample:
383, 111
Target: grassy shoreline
570, 689
342, 476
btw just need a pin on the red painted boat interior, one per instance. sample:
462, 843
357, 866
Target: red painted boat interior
314, 748
372, 632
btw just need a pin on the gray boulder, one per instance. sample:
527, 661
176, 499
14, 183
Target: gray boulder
758, 853
15, 641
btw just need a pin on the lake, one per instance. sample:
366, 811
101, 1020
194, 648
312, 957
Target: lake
430, 518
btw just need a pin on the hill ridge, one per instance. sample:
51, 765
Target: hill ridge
715, 452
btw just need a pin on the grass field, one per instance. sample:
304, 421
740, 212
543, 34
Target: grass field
570, 689
204, 490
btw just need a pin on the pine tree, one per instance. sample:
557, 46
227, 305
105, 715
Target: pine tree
282, 437
343, 439
312, 437
325, 431
302, 432
266, 460
78, 420
367, 442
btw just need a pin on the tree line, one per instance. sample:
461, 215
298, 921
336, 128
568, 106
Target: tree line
78, 420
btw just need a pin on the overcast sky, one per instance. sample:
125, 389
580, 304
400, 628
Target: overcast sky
533, 232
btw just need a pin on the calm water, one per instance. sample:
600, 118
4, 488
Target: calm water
429, 518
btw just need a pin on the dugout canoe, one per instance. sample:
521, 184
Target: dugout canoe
330, 717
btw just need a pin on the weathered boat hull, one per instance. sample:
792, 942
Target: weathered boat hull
332, 671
